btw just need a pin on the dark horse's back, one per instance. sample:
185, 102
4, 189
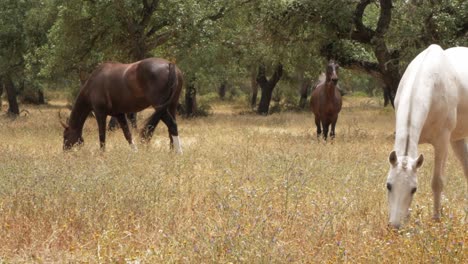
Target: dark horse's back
116, 88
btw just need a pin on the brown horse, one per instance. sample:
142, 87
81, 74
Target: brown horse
115, 89
325, 102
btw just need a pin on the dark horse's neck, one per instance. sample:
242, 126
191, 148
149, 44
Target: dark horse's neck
330, 88
79, 113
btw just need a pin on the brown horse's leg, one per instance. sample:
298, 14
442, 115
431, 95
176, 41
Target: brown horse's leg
172, 111
150, 126
317, 124
332, 133
113, 121
132, 117
124, 125
173, 131
326, 126
101, 121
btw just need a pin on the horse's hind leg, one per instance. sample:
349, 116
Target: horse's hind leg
113, 123
132, 117
461, 151
332, 132
173, 131
151, 124
319, 128
124, 125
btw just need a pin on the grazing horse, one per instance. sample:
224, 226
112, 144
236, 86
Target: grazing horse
115, 89
325, 101
431, 106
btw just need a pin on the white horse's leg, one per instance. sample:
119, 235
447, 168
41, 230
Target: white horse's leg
461, 151
440, 158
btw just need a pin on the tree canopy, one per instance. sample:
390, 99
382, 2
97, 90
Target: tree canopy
57, 43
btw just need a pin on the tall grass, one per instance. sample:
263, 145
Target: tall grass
247, 189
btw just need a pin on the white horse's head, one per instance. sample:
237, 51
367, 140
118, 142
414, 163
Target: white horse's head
402, 183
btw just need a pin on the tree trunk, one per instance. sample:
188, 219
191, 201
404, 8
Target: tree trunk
389, 96
267, 87
254, 86
1, 93
190, 100
13, 108
222, 90
40, 97
303, 100
304, 85
265, 99
387, 67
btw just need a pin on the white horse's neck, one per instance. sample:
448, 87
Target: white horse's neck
416, 91
409, 124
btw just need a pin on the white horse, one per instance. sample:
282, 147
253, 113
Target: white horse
431, 107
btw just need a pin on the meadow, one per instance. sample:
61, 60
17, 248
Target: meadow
247, 189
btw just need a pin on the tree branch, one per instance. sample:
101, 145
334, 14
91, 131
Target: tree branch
261, 75
277, 74
362, 33
384, 18
463, 30
161, 38
222, 12
157, 27
147, 12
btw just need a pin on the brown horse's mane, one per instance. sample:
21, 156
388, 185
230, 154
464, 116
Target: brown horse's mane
94, 73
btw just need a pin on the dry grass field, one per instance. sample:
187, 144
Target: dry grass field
247, 189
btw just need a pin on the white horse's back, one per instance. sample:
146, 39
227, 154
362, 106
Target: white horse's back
458, 58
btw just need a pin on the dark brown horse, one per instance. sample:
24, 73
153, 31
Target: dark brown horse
115, 89
325, 102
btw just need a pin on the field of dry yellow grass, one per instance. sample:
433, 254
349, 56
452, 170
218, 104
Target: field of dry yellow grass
247, 189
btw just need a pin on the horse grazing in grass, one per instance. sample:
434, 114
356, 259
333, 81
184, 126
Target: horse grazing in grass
431, 107
325, 102
115, 89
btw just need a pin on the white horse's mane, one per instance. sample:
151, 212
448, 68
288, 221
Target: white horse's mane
418, 92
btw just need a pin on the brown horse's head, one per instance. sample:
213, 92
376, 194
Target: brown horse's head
71, 137
332, 72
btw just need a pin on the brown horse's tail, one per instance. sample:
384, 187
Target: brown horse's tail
171, 85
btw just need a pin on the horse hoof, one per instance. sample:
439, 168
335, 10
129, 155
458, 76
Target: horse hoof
134, 148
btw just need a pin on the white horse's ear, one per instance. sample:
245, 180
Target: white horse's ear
392, 158
419, 161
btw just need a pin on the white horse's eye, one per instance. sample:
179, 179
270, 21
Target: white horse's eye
389, 187
413, 190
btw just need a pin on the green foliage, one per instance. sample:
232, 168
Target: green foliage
57, 43
418, 24
355, 82
12, 35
